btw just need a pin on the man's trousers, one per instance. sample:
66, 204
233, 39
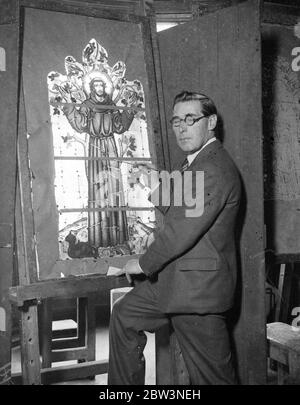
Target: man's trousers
203, 340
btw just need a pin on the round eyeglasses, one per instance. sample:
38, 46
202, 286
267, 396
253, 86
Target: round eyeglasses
188, 119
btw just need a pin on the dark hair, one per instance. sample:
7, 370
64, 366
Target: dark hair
207, 105
97, 80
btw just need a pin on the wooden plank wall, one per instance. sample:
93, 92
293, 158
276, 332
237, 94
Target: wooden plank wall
8, 134
281, 84
219, 54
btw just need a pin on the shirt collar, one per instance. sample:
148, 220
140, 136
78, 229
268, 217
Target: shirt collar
193, 156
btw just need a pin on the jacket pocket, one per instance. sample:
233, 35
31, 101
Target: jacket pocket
201, 264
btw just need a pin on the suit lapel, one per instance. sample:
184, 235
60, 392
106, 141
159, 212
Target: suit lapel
204, 153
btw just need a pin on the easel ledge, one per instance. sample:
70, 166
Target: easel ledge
76, 286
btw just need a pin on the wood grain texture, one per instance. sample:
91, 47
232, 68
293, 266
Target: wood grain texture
281, 138
72, 286
252, 243
84, 8
28, 271
8, 133
281, 14
284, 348
66, 373
284, 335
86, 266
30, 356
9, 11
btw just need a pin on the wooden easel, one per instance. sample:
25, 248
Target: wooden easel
30, 292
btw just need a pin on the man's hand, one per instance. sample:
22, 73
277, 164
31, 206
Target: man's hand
132, 267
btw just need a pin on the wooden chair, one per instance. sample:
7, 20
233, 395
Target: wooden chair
284, 339
77, 342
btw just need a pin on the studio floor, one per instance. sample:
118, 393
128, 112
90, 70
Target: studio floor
102, 351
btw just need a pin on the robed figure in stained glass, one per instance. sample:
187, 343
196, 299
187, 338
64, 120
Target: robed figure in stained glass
99, 87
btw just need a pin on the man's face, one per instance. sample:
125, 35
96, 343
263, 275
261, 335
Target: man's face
99, 88
191, 138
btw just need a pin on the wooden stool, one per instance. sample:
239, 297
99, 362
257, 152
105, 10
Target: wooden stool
26, 298
62, 345
284, 348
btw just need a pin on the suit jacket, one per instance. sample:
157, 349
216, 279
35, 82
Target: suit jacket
195, 257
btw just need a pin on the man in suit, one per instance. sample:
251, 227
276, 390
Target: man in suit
191, 265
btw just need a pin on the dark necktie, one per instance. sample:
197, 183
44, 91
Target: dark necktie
184, 165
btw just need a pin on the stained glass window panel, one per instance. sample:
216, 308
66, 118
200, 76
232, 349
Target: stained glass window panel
100, 140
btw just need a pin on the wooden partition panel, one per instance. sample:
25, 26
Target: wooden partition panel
281, 94
8, 133
219, 54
